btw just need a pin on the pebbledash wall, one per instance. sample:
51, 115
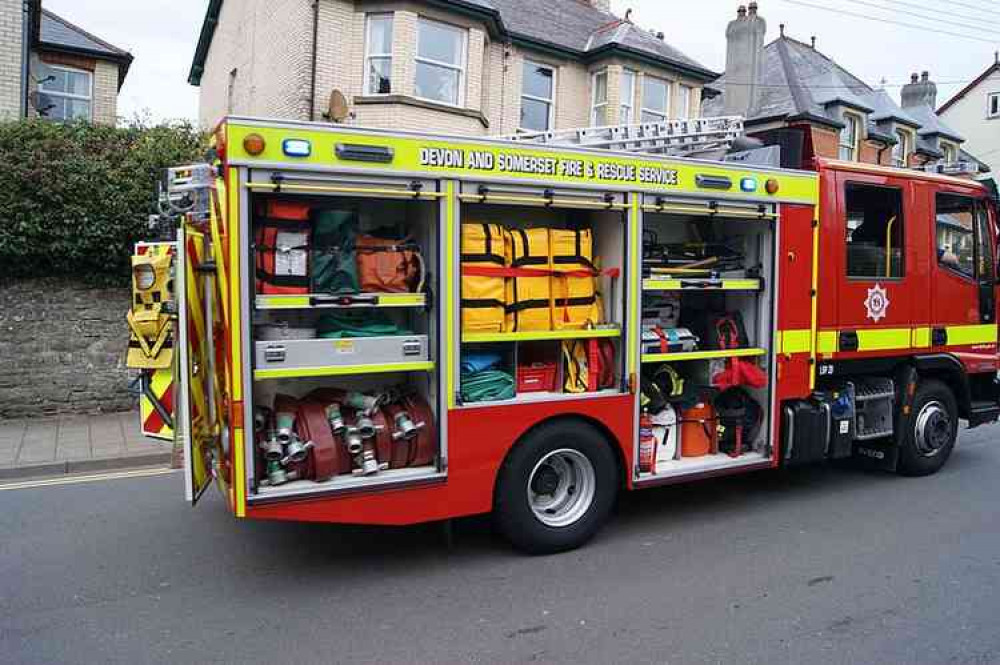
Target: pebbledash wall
62, 349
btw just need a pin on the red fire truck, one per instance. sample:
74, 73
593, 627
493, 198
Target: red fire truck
379, 327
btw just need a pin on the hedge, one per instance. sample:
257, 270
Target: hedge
74, 197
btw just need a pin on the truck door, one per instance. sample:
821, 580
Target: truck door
962, 296
879, 272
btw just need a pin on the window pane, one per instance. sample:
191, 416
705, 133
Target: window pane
986, 262
77, 109
438, 83
683, 101
56, 79
379, 35
955, 244
601, 88
654, 95
379, 76
78, 83
628, 87
439, 42
51, 107
874, 231
537, 80
534, 115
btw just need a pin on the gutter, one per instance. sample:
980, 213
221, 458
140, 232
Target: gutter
314, 57
26, 35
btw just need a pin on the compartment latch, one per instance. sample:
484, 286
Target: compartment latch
274, 353
412, 347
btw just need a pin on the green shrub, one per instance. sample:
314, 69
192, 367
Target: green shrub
74, 198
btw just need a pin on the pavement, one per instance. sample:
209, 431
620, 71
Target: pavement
816, 565
71, 444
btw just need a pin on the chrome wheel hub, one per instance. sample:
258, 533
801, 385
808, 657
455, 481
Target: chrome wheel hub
561, 487
932, 429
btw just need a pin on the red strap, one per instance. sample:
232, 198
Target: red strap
485, 271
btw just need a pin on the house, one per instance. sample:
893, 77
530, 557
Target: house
472, 67
793, 95
975, 111
54, 69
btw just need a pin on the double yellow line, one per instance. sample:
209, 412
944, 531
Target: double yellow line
91, 478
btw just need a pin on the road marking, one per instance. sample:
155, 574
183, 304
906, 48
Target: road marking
72, 480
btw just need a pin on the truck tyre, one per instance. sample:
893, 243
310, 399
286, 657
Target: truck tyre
556, 488
931, 433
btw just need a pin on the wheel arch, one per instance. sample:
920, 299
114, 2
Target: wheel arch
949, 370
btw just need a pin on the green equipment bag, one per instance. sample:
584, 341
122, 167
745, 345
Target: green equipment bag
357, 323
334, 262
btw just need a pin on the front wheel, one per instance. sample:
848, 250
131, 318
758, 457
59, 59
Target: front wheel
556, 488
932, 432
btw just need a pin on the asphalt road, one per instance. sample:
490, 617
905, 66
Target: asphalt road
813, 566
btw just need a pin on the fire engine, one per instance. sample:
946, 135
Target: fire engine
380, 327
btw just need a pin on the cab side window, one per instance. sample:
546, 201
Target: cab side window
987, 272
955, 232
874, 231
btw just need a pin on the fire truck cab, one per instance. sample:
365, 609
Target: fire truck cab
389, 328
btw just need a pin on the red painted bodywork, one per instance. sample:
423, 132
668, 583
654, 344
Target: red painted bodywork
478, 441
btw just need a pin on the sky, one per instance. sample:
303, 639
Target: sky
162, 35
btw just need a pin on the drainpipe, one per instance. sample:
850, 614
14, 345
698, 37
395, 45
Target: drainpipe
25, 54
315, 51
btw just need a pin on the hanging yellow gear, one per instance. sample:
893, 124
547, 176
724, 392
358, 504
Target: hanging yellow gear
151, 344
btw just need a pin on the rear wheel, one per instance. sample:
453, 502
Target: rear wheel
932, 431
556, 488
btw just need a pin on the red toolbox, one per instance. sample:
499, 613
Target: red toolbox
536, 377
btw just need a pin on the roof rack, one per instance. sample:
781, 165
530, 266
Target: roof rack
683, 137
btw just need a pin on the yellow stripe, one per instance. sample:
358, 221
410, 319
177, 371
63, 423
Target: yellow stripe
303, 302
234, 228
341, 370
656, 284
976, 334
635, 255
920, 338
532, 335
449, 289
700, 355
794, 341
883, 339
814, 304
826, 342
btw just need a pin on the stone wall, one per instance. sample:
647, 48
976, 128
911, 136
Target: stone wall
62, 349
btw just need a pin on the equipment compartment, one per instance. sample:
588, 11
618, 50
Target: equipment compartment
551, 264
706, 319
345, 340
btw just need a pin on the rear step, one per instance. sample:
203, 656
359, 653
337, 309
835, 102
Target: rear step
983, 412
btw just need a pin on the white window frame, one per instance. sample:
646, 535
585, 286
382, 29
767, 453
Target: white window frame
594, 103
643, 109
684, 94
854, 147
901, 151
460, 68
626, 109
551, 102
89, 97
993, 102
382, 56
948, 153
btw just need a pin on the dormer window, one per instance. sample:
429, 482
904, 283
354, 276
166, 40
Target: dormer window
901, 151
948, 153
850, 137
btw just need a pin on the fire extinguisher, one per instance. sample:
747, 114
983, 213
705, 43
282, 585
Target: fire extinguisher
647, 444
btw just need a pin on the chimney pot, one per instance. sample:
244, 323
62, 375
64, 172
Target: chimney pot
741, 11
752, 9
924, 75
914, 78
660, 36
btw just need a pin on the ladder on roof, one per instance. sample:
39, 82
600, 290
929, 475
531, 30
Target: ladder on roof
683, 137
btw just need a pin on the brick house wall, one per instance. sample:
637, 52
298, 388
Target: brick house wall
491, 80
11, 45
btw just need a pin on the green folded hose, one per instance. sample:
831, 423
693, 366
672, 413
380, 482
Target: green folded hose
489, 386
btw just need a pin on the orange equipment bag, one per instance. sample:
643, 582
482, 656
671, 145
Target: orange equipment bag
699, 430
386, 265
528, 296
482, 298
574, 298
282, 238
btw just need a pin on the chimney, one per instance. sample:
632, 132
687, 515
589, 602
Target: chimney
603, 5
812, 42
744, 55
920, 91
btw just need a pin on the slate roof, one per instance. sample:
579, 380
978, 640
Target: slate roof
570, 27
56, 33
797, 81
995, 67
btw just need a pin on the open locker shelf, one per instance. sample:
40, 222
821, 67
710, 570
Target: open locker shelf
340, 370
705, 463
385, 478
352, 300
540, 335
700, 284
702, 355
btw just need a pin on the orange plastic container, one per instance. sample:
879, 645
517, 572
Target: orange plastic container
699, 430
